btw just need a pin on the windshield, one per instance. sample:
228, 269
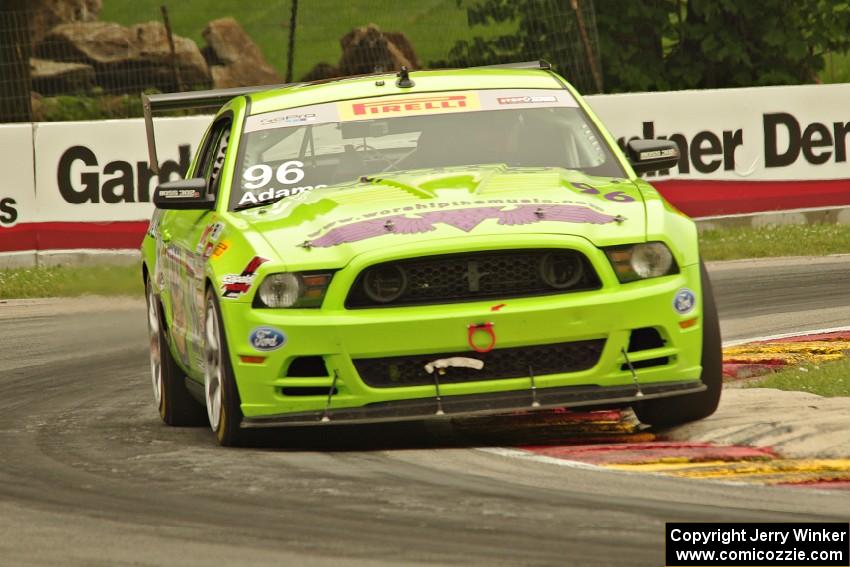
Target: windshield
291, 152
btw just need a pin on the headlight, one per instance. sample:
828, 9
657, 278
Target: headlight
641, 261
285, 290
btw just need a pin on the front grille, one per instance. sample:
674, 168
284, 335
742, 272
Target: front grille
472, 276
498, 364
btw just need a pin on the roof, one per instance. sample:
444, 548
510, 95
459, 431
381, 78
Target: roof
425, 81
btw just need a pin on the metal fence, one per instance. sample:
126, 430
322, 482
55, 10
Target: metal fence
87, 59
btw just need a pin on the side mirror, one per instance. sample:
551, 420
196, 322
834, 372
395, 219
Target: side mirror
652, 155
183, 194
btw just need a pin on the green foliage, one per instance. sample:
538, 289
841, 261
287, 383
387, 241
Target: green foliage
533, 29
837, 68
89, 107
727, 43
98, 106
633, 39
670, 44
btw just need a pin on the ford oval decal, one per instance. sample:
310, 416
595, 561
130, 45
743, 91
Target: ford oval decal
267, 338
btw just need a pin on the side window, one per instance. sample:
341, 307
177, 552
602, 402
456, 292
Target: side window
212, 158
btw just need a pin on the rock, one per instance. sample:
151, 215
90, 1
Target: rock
403, 44
321, 72
234, 59
241, 75
126, 59
153, 48
368, 50
52, 77
229, 42
46, 14
96, 43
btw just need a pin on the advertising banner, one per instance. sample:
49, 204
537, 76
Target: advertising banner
743, 150
88, 185
93, 182
95, 171
17, 189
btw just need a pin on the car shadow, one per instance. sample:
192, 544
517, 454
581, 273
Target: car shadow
559, 427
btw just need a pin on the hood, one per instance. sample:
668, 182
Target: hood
329, 226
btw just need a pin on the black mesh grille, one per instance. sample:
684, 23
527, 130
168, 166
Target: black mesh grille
498, 364
471, 277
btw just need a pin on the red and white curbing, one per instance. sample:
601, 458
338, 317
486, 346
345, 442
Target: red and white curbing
615, 441
762, 355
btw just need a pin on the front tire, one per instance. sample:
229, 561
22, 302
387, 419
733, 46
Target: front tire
222, 397
666, 412
175, 404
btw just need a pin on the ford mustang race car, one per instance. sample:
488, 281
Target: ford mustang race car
422, 245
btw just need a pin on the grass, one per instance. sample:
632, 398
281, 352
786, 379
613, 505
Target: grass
68, 281
824, 379
787, 240
432, 26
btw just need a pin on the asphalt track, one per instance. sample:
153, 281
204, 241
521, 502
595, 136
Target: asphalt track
90, 476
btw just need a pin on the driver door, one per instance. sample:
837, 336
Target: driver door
186, 233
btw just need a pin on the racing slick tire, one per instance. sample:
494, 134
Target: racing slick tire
222, 397
666, 412
176, 405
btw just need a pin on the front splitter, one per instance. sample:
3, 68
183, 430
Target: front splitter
481, 404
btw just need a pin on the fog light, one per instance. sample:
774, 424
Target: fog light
385, 283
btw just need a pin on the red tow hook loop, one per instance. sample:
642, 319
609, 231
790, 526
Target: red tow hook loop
487, 328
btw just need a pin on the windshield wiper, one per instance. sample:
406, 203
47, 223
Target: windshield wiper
259, 203
413, 189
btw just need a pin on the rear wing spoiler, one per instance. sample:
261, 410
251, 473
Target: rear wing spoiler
538, 64
186, 100
219, 97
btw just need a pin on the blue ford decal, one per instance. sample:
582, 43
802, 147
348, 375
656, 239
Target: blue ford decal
267, 338
685, 301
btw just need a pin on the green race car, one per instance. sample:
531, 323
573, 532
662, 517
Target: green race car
421, 245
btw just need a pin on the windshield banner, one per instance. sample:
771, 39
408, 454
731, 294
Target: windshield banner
395, 105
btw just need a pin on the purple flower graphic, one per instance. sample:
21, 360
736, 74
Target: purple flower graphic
463, 219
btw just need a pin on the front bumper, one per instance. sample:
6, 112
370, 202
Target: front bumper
339, 336
480, 404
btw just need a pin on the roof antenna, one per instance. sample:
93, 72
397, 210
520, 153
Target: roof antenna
404, 81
